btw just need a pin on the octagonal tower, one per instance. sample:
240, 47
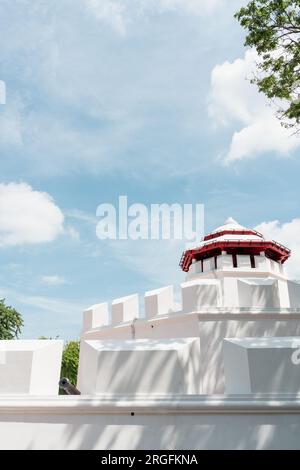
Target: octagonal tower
235, 250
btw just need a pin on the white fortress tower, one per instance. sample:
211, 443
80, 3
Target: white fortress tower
236, 287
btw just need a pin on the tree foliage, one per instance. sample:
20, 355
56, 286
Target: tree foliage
70, 360
273, 29
11, 321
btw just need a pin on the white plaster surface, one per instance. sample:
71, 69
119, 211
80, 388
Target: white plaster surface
159, 302
262, 365
125, 309
294, 293
165, 366
30, 367
96, 316
262, 293
200, 293
152, 422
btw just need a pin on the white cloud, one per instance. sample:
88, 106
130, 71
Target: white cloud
27, 216
288, 234
234, 100
74, 118
73, 233
53, 280
155, 260
120, 13
198, 7
47, 315
111, 12
83, 216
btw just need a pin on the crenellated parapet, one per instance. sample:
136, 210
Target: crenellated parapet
127, 309
196, 295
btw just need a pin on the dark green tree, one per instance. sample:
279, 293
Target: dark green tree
11, 321
70, 360
273, 29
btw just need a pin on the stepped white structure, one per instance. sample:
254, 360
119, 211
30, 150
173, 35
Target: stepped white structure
236, 286
219, 371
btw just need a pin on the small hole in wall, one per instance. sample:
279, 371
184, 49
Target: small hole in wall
152, 326
132, 413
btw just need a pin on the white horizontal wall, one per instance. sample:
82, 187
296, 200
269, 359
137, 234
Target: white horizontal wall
150, 423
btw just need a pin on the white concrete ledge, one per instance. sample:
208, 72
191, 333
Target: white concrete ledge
153, 422
207, 313
182, 404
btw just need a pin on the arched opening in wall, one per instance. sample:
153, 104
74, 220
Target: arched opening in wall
252, 261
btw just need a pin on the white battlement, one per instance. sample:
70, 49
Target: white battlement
197, 295
125, 309
159, 302
96, 316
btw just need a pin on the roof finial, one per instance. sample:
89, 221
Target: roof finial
230, 221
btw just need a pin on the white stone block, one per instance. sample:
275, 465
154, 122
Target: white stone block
159, 302
225, 262
95, 317
262, 263
230, 292
262, 365
192, 268
294, 293
275, 267
258, 293
283, 293
130, 367
125, 309
30, 367
207, 266
200, 293
198, 267
243, 262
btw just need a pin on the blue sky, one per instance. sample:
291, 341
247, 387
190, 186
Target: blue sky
146, 98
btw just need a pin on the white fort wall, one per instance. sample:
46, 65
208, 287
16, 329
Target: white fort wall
150, 377
231, 303
178, 422
160, 407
